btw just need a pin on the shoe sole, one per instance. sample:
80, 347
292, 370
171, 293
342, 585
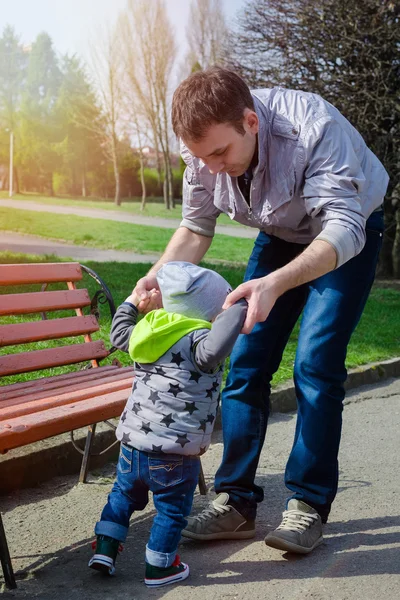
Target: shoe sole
281, 544
168, 580
221, 535
102, 563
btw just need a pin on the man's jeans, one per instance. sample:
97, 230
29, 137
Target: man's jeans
333, 305
172, 478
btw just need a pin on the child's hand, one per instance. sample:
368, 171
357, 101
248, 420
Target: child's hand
145, 305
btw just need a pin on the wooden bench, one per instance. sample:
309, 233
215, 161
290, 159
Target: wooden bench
34, 410
40, 408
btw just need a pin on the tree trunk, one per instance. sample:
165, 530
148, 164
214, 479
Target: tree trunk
117, 197
51, 189
170, 183
142, 182
16, 181
396, 246
83, 183
165, 192
385, 266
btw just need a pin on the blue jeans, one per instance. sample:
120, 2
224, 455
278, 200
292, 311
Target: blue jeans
332, 305
172, 478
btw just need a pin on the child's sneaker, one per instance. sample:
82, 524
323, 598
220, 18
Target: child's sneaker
159, 576
106, 551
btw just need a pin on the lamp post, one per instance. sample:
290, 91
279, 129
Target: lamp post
10, 177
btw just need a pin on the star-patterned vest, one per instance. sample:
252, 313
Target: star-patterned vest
173, 405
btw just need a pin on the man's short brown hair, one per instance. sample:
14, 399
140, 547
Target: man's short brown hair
206, 98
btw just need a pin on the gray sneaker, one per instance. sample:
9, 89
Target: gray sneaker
300, 530
219, 522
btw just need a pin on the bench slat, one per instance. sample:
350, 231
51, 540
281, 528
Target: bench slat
39, 273
39, 426
53, 380
47, 386
33, 302
15, 408
52, 329
51, 357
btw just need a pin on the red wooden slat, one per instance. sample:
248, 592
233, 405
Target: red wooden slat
36, 393
92, 378
52, 329
39, 426
54, 380
15, 408
51, 357
39, 273
19, 304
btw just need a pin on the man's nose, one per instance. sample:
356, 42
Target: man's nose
215, 166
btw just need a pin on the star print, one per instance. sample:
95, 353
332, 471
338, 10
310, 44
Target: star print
174, 389
146, 378
210, 419
154, 396
203, 425
210, 392
123, 416
126, 439
182, 440
190, 407
160, 371
146, 427
134, 385
136, 407
202, 451
167, 420
215, 386
177, 358
194, 376
157, 448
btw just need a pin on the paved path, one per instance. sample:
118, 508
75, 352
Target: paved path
123, 217
32, 244
50, 527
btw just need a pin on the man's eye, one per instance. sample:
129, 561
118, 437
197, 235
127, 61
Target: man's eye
219, 153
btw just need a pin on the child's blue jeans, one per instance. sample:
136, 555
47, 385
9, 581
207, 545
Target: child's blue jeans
172, 478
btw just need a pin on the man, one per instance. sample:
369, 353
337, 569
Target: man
288, 163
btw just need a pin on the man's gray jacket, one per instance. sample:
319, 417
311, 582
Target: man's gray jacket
315, 177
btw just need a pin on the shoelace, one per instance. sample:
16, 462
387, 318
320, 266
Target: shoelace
215, 510
296, 520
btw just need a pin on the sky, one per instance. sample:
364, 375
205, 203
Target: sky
72, 23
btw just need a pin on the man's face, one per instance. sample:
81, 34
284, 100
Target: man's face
224, 150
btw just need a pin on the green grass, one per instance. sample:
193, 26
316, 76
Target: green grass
376, 338
100, 233
154, 207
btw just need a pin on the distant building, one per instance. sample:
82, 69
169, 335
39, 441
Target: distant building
150, 156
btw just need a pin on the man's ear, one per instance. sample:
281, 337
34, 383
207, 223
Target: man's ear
251, 120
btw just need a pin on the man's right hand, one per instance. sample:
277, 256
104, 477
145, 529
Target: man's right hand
148, 292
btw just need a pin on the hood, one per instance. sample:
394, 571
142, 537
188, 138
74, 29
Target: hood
158, 331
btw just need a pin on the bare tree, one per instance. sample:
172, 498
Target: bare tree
149, 54
206, 35
106, 70
347, 52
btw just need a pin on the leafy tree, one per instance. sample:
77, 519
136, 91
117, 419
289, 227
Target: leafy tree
13, 62
80, 148
40, 130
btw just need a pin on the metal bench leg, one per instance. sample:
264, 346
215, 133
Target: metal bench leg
86, 455
202, 482
6, 559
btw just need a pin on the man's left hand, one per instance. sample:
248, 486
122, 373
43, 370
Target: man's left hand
261, 295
